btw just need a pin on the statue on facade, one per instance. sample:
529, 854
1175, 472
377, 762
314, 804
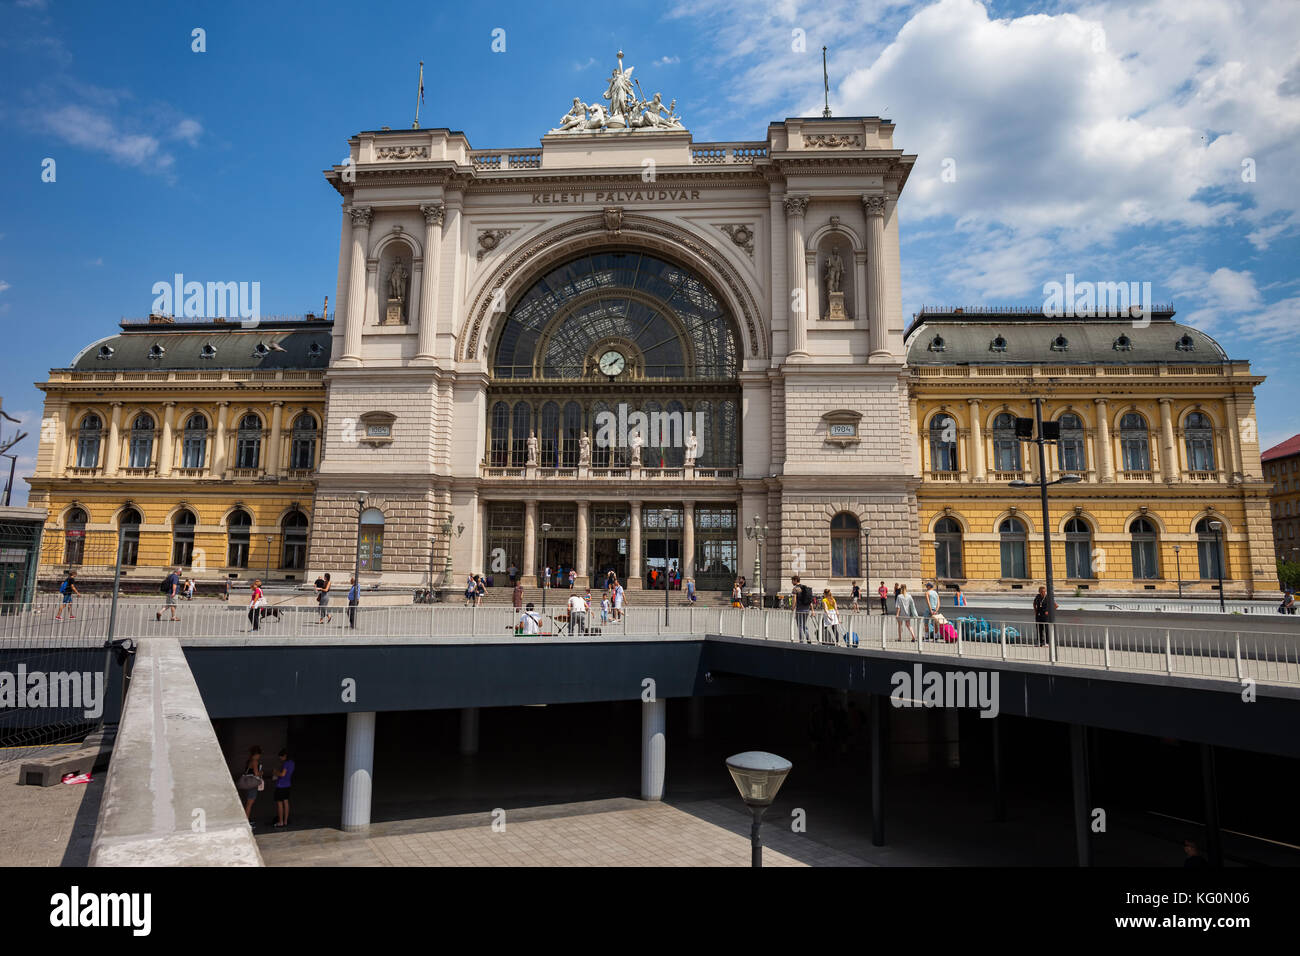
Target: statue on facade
397, 282
834, 271
637, 442
584, 450
576, 118
532, 449
619, 93
692, 449
624, 107
655, 115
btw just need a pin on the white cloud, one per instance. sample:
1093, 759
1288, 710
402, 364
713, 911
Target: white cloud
667, 60
4, 285
97, 131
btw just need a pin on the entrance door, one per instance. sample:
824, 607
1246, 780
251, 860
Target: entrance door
661, 544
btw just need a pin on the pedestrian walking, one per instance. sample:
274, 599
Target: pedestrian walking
251, 781
831, 622
225, 590
354, 598
690, 590
283, 781
884, 598
480, 589
604, 609
1042, 614
68, 588
802, 598
904, 611
856, 595
323, 585
518, 597
932, 605
256, 601
170, 587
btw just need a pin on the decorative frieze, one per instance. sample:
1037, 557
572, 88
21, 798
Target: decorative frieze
489, 239
833, 141
402, 152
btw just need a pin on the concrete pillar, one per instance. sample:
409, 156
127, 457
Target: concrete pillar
581, 562
795, 207
428, 328
166, 450
877, 280
358, 768
634, 548
1168, 453
1105, 460
976, 441
362, 217
468, 731
688, 542
530, 539
217, 459
114, 456
653, 748
273, 445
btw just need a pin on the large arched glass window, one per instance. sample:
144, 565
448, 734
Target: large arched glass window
1006, 445
128, 524
679, 426
238, 531
1134, 448
1078, 549
141, 455
602, 449
183, 539
90, 436
1198, 433
500, 440
572, 433
372, 540
521, 427
1012, 546
194, 444
1146, 565
845, 533
1070, 454
1209, 550
248, 442
943, 443
947, 548
548, 438
74, 537
302, 448
293, 553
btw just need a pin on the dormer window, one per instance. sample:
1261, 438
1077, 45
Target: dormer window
260, 350
105, 352
937, 344
999, 344
1123, 344
1186, 344
314, 349
156, 351
208, 351
1060, 344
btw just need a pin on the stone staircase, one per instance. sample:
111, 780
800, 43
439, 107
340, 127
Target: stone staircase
556, 596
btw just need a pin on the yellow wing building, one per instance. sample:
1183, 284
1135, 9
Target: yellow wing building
1157, 423
201, 440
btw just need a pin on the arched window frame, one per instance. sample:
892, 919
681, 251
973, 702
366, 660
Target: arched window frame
948, 563
372, 540
293, 538
1013, 548
1071, 450
74, 536
128, 523
1134, 442
239, 535
194, 441
90, 438
1144, 549
140, 451
302, 448
1198, 439
248, 441
183, 525
1006, 444
846, 536
943, 451
1078, 549
1211, 560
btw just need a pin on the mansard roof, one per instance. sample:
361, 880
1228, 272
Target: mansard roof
159, 344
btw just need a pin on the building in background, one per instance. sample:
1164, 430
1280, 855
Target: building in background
20, 551
199, 440
1282, 472
1156, 419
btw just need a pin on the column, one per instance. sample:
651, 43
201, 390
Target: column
653, 748
1231, 460
468, 731
795, 207
358, 768
165, 450
877, 284
976, 441
362, 217
634, 548
1168, 453
1105, 462
530, 539
433, 216
688, 541
273, 446
112, 459
581, 564
217, 460
63, 452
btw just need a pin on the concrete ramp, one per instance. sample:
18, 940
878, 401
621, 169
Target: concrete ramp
169, 799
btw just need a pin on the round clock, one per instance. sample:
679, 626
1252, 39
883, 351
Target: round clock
612, 363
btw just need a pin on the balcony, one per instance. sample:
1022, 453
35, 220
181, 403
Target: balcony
1201, 476
945, 476
1138, 475
616, 473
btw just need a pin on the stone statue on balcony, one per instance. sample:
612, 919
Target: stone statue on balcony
692, 449
637, 442
584, 450
532, 449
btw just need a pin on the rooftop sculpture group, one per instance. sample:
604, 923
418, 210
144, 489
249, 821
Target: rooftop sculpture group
626, 108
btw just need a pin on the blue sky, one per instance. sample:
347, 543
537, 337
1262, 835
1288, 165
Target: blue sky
1107, 140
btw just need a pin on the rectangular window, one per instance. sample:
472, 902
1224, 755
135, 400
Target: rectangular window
1013, 559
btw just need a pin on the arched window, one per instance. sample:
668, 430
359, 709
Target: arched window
947, 548
194, 444
1012, 546
500, 439
1070, 454
248, 442
302, 449
1006, 446
845, 533
293, 554
1078, 549
141, 442
372, 540
1146, 565
943, 443
183, 539
1134, 450
548, 439
572, 432
1198, 432
129, 525
1209, 550
680, 426
238, 530
89, 437
652, 453
520, 429
74, 537
602, 433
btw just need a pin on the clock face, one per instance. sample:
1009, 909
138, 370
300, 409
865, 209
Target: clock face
612, 362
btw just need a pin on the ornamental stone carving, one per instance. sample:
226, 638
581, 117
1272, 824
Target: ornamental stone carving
796, 205
741, 234
489, 239
613, 219
626, 108
833, 141
874, 205
402, 152
362, 216
434, 213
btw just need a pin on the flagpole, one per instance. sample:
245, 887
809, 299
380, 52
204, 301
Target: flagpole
419, 95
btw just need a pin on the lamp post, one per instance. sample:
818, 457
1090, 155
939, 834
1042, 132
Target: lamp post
1042, 492
546, 529
356, 567
866, 563
758, 776
665, 515
1217, 527
9, 486
756, 531
269, 539
1178, 569
446, 567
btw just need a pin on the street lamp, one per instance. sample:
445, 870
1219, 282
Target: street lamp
267, 576
356, 567
665, 515
546, 529
866, 563
758, 776
1216, 527
1042, 491
756, 531
1178, 568
446, 535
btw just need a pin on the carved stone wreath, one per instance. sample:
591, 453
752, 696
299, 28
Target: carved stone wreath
833, 141
489, 239
740, 234
402, 152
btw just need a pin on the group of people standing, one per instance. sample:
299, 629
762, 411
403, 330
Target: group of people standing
253, 781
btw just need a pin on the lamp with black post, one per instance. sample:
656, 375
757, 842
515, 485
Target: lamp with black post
1217, 527
1178, 568
756, 531
356, 564
665, 515
546, 529
758, 776
866, 564
267, 576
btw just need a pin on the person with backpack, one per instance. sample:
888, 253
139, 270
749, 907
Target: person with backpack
932, 605
323, 585
354, 598
251, 781
802, 598
530, 622
68, 588
170, 587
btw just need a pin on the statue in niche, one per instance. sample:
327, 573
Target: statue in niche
584, 450
397, 282
834, 271
532, 449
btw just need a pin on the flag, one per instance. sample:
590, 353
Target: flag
422, 82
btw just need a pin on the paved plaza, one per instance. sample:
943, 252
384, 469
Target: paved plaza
45, 826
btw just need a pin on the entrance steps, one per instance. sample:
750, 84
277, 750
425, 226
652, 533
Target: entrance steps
556, 596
